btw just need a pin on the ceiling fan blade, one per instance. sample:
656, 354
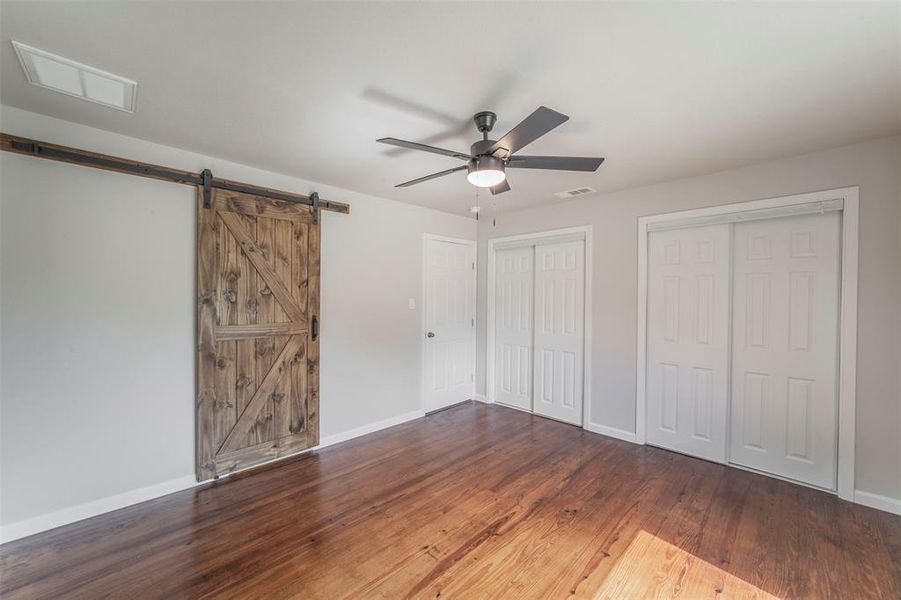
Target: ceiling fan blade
557, 163
432, 176
529, 129
500, 188
424, 148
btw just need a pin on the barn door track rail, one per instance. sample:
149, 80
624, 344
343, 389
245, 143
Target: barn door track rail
20, 145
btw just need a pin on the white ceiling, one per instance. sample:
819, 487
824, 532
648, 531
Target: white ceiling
663, 91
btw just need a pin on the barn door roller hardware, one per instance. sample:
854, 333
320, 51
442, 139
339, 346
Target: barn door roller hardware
20, 145
314, 198
206, 178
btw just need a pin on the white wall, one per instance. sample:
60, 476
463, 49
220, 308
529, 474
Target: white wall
875, 166
97, 309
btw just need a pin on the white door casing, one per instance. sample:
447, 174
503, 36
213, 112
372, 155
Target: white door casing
785, 347
449, 321
688, 340
513, 326
559, 330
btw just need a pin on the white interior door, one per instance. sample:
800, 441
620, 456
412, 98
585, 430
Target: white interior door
513, 326
559, 330
450, 323
688, 340
785, 339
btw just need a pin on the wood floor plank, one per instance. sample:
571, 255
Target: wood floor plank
476, 501
653, 568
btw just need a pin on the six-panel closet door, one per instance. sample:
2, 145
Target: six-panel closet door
688, 340
513, 326
785, 344
559, 330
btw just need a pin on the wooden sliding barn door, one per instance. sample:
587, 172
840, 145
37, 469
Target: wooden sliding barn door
257, 351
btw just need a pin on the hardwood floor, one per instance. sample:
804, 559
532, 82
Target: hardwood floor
473, 502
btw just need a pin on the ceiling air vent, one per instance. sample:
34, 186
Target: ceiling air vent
576, 192
75, 79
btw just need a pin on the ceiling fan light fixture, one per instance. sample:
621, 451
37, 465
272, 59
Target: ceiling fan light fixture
486, 171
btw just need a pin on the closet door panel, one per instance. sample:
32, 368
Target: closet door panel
688, 340
559, 330
785, 344
513, 327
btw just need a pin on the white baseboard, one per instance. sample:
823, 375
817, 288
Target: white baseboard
892, 505
27, 527
620, 434
371, 428
480, 398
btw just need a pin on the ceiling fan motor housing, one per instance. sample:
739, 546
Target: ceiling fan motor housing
481, 148
486, 163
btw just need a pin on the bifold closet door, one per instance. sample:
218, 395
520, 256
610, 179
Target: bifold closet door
559, 330
688, 340
513, 326
785, 340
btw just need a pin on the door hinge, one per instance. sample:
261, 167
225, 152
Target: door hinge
473, 266
472, 377
472, 322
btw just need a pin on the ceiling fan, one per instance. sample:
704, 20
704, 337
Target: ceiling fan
488, 160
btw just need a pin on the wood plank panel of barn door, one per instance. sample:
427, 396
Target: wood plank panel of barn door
257, 361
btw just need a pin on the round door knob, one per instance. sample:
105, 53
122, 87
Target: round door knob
430, 334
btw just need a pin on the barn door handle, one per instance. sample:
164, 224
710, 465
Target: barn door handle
315, 328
